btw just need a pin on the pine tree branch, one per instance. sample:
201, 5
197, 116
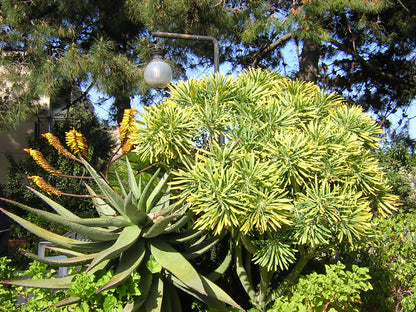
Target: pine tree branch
79, 98
376, 70
261, 54
403, 6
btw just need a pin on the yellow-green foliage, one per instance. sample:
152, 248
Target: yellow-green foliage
297, 168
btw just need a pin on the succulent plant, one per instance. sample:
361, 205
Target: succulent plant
140, 225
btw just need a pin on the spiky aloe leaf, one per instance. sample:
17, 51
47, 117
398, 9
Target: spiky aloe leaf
127, 237
144, 196
211, 302
225, 264
133, 305
92, 233
49, 283
171, 260
201, 248
121, 185
178, 224
72, 261
215, 295
136, 216
155, 296
144, 285
185, 236
101, 206
63, 251
214, 291
158, 228
157, 194
242, 274
104, 222
115, 200
129, 261
134, 187
163, 203
64, 302
55, 238
54, 205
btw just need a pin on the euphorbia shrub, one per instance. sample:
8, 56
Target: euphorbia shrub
297, 174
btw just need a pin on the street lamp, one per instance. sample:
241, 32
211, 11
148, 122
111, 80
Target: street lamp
158, 73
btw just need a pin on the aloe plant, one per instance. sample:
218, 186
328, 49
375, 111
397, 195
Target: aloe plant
140, 225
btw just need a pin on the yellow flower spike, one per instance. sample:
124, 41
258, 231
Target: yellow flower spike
41, 183
41, 161
56, 143
127, 146
127, 125
77, 143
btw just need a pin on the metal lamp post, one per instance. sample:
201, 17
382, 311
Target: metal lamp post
157, 75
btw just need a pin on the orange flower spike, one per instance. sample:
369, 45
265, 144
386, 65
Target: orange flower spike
41, 161
41, 183
127, 146
127, 125
54, 141
77, 143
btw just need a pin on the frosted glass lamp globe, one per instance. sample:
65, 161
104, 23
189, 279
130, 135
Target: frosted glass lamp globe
157, 73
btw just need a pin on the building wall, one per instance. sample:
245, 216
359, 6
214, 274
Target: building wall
13, 142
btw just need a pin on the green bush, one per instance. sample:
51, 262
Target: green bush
392, 265
17, 298
337, 290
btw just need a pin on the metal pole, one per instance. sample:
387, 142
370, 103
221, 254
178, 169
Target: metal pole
194, 37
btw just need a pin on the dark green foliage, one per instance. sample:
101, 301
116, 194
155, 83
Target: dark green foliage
391, 259
362, 49
25, 299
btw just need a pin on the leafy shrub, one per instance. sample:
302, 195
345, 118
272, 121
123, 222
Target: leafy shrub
17, 298
392, 265
337, 290
14, 298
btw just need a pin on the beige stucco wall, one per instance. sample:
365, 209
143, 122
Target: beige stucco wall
14, 142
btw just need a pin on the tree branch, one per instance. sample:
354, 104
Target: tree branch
244, 278
403, 6
367, 65
79, 98
260, 54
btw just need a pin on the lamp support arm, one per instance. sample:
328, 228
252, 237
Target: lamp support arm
194, 37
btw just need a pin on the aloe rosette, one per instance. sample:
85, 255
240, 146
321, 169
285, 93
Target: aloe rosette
140, 225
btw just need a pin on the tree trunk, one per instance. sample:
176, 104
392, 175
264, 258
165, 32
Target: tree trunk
121, 103
309, 61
